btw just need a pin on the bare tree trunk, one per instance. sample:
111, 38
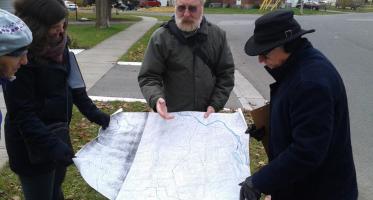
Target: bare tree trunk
102, 15
109, 9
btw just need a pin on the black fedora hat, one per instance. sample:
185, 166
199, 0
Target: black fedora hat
272, 30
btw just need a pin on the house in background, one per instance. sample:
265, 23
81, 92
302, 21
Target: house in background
235, 3
251, 3
292, 2
7, 5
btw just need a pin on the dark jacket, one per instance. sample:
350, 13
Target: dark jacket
38, 97
310, 146
172, 71
2, 81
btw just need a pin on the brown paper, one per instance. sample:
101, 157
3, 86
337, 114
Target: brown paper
261, 119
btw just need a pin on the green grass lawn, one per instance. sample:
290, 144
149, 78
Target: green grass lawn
364, 9
160, 18
82, 131
233, 11
85, 36
137, 50
121, 17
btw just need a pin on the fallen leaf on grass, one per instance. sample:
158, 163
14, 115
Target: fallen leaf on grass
16, 198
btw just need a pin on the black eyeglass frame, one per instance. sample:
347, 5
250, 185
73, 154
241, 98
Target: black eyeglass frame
266, 52
183, 8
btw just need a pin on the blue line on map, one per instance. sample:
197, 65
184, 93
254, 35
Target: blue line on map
230, 130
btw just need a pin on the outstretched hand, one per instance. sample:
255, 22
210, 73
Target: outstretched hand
257, 133
248, 191
210, 110
100, 118
62, 154
162, 109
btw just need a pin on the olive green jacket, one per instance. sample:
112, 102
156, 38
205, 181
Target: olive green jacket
172, 71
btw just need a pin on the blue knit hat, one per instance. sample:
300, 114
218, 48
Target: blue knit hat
14, 33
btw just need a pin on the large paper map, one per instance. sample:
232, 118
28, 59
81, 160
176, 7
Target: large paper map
143, 157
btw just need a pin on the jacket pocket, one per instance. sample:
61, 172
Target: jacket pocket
36, 154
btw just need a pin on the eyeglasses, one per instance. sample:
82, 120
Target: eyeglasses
183, 8
265, 53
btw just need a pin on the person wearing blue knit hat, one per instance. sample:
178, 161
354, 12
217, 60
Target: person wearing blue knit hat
15, 36
40, 103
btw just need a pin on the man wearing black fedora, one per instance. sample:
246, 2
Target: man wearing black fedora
310, 154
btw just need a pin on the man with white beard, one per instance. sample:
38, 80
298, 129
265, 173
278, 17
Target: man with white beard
188, 65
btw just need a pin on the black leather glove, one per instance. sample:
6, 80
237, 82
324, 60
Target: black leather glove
258, 134
248, 191
62, 154
101, 119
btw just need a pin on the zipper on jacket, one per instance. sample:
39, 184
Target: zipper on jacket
194, 82
67, 103
68, 69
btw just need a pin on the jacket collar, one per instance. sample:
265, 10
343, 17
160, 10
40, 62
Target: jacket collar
204, 26
281, 72
3, 81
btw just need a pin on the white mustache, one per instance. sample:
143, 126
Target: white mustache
188, 24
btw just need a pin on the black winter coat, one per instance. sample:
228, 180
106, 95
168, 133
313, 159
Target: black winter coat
310, 147
40, 96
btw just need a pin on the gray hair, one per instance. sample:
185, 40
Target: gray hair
202, 2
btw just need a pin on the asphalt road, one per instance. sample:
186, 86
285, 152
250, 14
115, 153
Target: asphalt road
347, 40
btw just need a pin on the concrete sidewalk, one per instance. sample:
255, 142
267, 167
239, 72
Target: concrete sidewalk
95, 62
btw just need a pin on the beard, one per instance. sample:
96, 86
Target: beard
188, 25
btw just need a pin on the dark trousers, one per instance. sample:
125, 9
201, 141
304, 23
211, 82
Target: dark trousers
45, 186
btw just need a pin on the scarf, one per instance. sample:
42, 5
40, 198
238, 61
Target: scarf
54, 49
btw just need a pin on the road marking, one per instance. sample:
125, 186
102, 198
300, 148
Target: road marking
129, 63
76, 51
360, 20
102, 98
248, 96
